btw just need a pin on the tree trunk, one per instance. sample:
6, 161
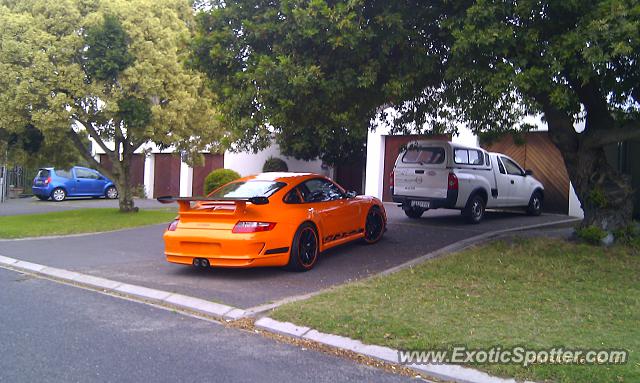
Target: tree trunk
605, 194
125, 193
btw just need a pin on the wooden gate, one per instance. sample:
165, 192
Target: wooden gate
166, 175
137, 167
211, 162
539, 154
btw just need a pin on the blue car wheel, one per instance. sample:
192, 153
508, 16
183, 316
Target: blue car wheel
58, 194
112, 192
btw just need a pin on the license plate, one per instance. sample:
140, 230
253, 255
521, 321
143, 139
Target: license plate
424, 204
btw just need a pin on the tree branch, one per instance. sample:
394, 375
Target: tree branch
92, 132
83, 152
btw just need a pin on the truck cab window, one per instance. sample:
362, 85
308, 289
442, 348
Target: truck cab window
512, 168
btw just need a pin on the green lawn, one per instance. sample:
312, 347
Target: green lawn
537, 293
78, 221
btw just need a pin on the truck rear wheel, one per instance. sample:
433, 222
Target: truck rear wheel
474, 211
414, 212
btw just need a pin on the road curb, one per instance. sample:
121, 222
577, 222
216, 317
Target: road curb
446, 372
196, 305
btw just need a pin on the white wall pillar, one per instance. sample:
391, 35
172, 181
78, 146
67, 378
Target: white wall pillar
575, 208
186, 180
375, 165
149, 169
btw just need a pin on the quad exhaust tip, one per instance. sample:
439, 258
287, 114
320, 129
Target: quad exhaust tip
201, 262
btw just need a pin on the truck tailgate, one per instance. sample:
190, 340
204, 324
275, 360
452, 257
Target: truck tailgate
421, 181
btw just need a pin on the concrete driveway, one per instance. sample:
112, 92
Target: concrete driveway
136, 256
33, 205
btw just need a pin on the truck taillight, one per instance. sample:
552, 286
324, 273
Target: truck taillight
253, 227
173, 225
452, 182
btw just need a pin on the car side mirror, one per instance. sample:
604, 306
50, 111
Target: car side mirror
351, 194
528, 172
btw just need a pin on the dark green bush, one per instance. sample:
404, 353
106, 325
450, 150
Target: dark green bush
217, 178
591, 234
274, 164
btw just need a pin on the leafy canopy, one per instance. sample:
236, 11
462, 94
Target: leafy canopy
113, 70
317, 73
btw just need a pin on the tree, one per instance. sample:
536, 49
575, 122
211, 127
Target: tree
313, 72
110, 70
317, 72
569, 61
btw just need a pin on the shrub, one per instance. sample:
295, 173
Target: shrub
591, 234
274, 164
217, 178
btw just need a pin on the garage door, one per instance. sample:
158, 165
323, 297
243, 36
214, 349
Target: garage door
137, 167
211, 162
166, 175
539, 154
392, 147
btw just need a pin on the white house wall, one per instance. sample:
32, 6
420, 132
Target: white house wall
250, 163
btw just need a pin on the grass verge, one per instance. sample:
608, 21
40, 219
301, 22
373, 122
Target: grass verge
78, 221
536, 293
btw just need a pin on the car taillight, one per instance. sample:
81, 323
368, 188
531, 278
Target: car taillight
47, 181
173, 225
452, 182
253, 227
391, 178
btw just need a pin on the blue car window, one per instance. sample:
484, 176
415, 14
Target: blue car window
84, 173
63, 173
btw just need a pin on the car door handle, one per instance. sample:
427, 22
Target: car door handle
419, 171
512, 182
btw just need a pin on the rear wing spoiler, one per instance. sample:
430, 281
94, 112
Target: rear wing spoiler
185, 202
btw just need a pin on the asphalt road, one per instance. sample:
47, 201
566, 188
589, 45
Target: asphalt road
57, 333
136, 256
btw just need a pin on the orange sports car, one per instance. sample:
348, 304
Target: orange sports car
270, 219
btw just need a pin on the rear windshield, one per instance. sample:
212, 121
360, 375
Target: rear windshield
247, 189
43, 173
423, 155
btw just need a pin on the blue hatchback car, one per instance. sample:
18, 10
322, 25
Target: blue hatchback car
58, 184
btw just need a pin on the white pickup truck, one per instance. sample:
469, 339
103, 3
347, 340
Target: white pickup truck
439, 174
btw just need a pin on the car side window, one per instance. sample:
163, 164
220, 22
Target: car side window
512, 168
319, 190
500, 166
84, 173
468, 157
293, 196
63, 173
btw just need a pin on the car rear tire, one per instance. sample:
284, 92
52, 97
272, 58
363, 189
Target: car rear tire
414, 212
111, 192
58, 195
305, 248
535, 204
374, 226
474, 211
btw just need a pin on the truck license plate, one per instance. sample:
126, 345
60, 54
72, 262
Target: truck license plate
424, 204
